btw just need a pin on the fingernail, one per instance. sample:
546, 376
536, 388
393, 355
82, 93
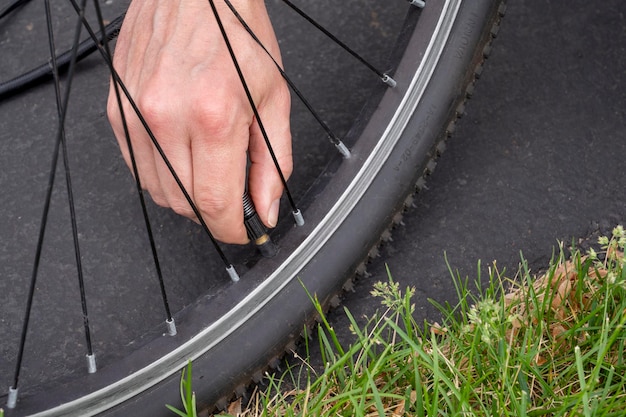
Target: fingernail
272, 215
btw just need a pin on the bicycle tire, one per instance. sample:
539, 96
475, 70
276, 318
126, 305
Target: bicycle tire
398, 136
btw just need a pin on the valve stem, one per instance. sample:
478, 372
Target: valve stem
256, 229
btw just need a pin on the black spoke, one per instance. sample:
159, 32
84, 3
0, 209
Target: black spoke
383, 76
91, 359
169, 320
341, 147
296, 212
13, 390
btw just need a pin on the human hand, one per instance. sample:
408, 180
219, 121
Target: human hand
175, 64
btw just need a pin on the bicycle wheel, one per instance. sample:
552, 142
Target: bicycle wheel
232, 332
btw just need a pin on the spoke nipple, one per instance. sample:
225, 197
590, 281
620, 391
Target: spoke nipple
343, 150
418, 3
91, 363
234, 276
170, 324
12, 400
389, 81
297, 215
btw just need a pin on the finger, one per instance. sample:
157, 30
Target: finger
219, 171
176, 148
141, 146
127, 57
264, 181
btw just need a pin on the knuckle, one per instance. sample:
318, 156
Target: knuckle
182, 208
213, 207
154, 110
216, 116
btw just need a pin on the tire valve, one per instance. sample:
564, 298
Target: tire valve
256, 229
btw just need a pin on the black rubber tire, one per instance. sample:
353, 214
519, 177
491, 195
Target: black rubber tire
398, 136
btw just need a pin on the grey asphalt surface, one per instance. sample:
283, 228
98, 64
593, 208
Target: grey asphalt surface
538, 157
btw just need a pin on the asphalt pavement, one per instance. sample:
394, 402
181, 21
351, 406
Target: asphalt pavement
537, 159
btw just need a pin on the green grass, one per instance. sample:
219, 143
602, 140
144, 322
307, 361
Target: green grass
532, 346
187, 395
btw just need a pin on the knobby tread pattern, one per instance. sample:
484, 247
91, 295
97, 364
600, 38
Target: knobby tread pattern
440, 148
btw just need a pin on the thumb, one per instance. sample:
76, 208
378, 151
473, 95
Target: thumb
264, 182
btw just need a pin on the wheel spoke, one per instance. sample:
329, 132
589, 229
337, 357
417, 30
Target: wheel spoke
341, 147
13, 391
91, 358
386, 78
169, 320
